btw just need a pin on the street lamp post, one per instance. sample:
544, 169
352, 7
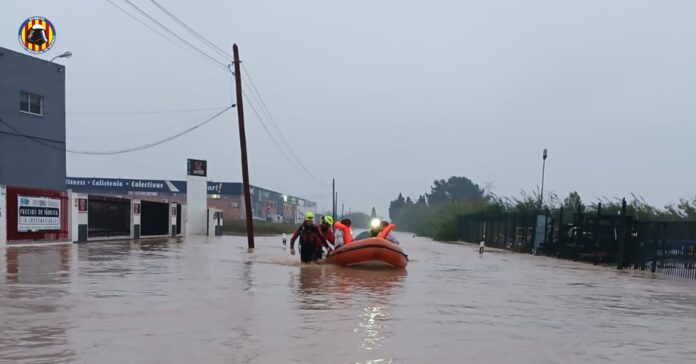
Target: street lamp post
541, 215
67, 54
543, 171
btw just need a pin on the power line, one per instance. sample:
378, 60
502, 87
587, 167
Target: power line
155, 30
268, 112
254, 90
33, 137
143, 112
270, 134
222, 65
268, 131
273, 123
151, 131
193, 32
112, 152
226, 55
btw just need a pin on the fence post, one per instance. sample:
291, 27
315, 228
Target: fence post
595, 235
656, 240
505, 234
497, 230
622, 237
514, 230
561, 234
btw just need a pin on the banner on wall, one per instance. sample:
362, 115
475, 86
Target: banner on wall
37, 213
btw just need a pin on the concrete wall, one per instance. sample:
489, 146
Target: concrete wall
21, 158
197, 205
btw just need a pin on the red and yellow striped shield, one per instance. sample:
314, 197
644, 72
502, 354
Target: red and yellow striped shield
37, 35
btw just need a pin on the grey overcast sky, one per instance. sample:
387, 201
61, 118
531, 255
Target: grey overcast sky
387, 96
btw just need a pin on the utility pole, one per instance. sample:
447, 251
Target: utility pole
242, 144
342, 210
333, 199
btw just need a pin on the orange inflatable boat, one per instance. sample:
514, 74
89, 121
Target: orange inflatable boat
371, 252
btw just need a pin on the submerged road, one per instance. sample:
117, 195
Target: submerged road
210, 301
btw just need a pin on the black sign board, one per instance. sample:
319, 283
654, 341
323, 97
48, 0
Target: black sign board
197, 168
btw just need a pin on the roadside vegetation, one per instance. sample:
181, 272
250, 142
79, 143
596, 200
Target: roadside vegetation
436, 214
238, 227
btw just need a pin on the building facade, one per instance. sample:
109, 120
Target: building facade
32, 122
266, 205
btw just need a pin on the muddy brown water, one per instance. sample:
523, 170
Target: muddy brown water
212, 301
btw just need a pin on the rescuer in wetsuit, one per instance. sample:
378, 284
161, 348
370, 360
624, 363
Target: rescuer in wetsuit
311, 240
326, 231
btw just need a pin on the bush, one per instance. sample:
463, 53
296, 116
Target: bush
439, 222
238, 227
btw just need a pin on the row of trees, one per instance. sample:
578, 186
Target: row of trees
436, 213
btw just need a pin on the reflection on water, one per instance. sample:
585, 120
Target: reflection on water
35, 288
214, 301
371, 327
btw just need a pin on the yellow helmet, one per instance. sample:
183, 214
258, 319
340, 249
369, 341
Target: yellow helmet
328, 220
309, 215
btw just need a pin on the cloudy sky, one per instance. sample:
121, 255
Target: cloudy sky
387, 96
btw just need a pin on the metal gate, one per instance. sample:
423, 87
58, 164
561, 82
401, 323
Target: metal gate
665, 247
108, 217
154, 218
178, 219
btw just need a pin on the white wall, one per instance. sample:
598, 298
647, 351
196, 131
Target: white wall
76, 217
196, 205
135, 219
172, 222
3, 218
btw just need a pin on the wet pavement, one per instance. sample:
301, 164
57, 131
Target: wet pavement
211, 301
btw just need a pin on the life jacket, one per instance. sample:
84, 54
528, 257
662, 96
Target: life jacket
347, 235
387, 229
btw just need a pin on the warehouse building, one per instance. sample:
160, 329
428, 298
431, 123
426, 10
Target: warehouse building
33, 197
266, 205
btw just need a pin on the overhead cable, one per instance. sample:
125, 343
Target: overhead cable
141, 11
117, 151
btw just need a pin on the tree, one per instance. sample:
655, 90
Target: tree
360, 220
374, 213
454, 189
687, 208
526, 203
421, 201
396, 205
573, 203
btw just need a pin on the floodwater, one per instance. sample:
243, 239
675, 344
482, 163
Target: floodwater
211, 301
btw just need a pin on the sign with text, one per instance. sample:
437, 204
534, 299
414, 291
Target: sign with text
37, 213
197, 167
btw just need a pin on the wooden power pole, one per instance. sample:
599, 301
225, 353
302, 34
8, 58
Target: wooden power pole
242, 144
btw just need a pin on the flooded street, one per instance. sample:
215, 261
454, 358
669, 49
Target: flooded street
210, 301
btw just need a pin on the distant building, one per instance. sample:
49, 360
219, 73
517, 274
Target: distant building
32, 122
266, 205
